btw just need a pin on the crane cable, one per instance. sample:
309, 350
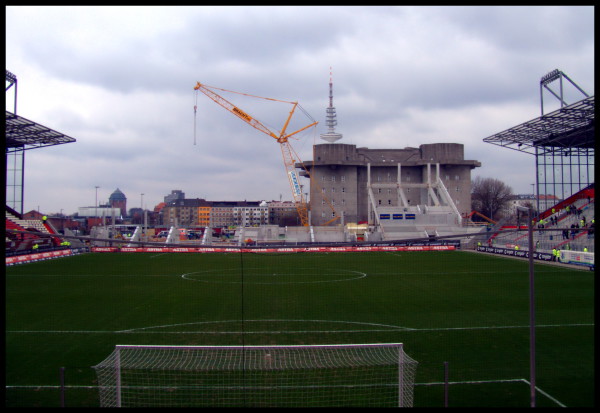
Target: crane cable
195, 109
247, 94
306, 113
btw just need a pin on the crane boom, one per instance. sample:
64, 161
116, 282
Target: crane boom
289, 155
234, 109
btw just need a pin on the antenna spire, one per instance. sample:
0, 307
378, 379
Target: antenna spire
331, 136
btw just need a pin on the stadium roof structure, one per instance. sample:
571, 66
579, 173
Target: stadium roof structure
23, 134
567, 129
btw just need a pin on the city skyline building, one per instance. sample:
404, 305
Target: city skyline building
118, 200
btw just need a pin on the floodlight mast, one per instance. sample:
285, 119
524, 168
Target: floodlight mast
290, 157
551, 77
532, 370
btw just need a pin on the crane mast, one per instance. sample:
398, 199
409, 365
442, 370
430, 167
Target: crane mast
290, 157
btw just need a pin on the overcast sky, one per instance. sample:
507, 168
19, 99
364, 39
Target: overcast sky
120, 80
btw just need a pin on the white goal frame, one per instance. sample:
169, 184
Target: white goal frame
317, 375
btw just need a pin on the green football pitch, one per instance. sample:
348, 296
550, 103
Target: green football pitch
463, 316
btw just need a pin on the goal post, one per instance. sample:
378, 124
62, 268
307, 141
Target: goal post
266, 376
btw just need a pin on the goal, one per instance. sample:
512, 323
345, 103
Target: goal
265, 376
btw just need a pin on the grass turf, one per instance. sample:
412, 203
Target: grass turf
469, 310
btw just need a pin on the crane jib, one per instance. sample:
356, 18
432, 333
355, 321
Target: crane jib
242, 114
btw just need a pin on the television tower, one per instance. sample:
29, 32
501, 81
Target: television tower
331, 136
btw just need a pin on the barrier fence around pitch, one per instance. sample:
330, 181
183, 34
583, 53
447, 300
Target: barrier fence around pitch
39, 256
543, 256
574, 257
566, 257
275, 250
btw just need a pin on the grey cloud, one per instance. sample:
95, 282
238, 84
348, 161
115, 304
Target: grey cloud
402, 76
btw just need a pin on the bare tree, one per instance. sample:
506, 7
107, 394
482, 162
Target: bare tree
490, 196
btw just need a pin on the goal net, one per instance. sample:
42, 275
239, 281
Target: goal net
266, 376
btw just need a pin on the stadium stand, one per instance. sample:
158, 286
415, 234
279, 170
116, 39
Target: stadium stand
568, 225
20, 242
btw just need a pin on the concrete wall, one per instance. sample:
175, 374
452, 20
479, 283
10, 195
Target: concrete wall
297, 234
329, 234
340, 170
442, 152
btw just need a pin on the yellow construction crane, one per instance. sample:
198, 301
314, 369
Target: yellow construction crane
290, 157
